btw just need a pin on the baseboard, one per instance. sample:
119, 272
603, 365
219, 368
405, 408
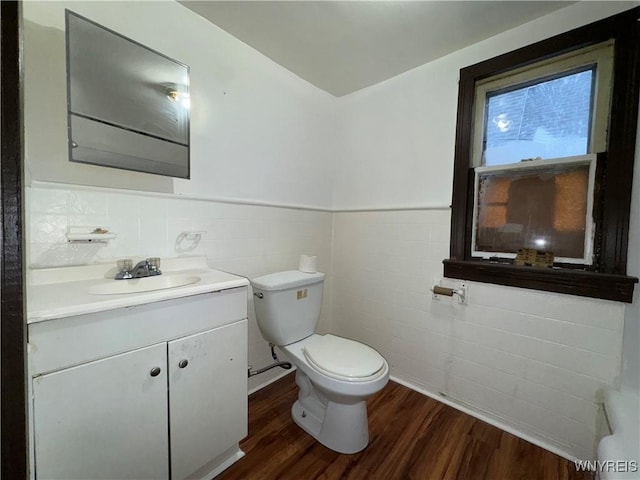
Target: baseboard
219, 464
271, 380
488, 419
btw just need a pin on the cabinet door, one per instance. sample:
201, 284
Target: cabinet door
207, 396
105, 419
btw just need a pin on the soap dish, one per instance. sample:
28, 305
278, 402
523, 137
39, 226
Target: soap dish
89, 234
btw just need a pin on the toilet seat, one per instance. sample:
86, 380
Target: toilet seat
343, 359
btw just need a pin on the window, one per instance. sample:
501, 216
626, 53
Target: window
545, 145
554, 109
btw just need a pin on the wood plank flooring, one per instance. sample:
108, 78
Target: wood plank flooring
411, 437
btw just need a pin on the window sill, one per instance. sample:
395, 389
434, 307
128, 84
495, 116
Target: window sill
560, 280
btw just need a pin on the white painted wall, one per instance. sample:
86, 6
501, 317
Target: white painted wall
530, 361
258, 132
398, 136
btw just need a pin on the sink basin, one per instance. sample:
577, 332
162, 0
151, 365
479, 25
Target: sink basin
146, 284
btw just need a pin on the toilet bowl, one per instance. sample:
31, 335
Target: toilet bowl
335, 375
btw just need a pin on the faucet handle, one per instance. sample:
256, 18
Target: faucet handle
154, 263
124, 265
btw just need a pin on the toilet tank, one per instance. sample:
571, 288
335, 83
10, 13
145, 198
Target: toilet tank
287, 305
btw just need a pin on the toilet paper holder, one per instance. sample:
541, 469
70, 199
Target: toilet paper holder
450, 292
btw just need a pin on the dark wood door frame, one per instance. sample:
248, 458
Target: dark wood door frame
13, 402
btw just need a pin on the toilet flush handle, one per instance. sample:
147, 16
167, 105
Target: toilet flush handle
259, 294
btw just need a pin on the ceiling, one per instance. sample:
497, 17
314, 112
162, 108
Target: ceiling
343, 46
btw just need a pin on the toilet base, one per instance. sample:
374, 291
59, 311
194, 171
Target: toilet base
342, 428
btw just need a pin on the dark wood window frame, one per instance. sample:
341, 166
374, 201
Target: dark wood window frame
607, 278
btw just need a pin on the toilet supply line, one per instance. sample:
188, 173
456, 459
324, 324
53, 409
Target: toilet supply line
277, 363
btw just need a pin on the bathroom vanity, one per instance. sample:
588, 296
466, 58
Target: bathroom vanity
146, 384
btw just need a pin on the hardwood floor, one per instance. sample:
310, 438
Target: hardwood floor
411, 437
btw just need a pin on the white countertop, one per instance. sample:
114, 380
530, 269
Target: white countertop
63, 292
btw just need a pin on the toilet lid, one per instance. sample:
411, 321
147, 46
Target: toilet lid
342, 357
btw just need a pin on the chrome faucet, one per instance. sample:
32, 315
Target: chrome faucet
145, 268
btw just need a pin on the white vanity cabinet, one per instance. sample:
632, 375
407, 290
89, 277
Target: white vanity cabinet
155, 391
98, 420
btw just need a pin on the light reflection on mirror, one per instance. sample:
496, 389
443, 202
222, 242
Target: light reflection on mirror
128, 105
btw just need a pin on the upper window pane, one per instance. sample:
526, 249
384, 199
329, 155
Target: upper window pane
549, 119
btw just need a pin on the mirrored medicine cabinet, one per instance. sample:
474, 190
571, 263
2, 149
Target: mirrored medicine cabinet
128, 105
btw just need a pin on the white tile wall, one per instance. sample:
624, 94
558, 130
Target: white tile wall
531, 360
243, 239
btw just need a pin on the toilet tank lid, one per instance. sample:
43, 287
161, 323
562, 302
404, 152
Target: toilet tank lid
285, 280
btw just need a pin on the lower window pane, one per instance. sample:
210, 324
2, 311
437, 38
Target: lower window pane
545, 210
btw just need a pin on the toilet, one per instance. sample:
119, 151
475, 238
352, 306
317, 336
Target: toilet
335, 375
